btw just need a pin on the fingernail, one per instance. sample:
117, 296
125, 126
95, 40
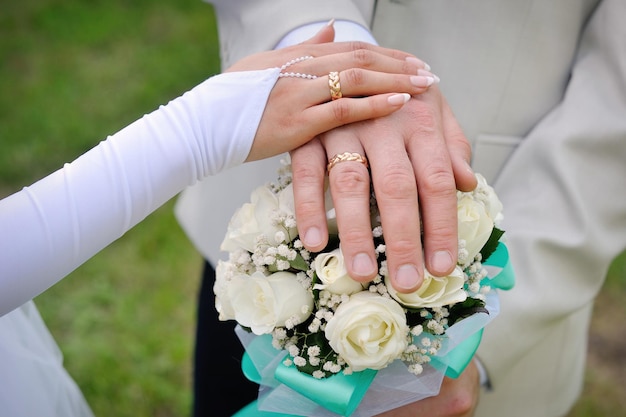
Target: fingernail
416, 61
427, 73
312, 237
331, 22
426, 66
398, 99
441, 262
362, 265
422, 81
407, 278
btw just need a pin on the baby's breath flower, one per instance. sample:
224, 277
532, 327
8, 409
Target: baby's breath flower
411, 348
293, 350
313, 350
415, 368
435, 327
318, 374
282, 265
417, 330
290, 222
383, 269
314, 326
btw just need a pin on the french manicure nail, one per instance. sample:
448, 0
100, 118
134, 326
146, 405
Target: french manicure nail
415, 61
426, 73
331, 22
422, 81
399, 98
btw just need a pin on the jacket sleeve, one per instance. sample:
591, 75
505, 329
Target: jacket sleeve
249, 26
563, 196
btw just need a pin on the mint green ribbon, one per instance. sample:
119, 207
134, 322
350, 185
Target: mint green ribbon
341, 393
338, 393
505, 279
455, 361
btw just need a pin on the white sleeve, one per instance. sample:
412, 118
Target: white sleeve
50, 228
344, 31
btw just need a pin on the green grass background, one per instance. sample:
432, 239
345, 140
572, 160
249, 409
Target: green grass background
72, 72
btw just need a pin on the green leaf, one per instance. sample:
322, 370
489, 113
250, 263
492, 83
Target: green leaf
467, 308
299, 263
491, 244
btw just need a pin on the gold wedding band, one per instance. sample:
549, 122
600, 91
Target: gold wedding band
335, 86
345, 157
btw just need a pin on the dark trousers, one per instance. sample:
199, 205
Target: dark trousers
219, 387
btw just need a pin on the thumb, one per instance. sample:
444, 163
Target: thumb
324, 35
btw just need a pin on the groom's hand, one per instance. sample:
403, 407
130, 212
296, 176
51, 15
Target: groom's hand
419, 158
457, 398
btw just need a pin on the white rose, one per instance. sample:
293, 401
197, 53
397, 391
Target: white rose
331, 215
368, 331
255, 218
434, 292
263, 302
475, 225
488, 195
223, 276
331, 270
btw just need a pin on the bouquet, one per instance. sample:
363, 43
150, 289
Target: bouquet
324, 326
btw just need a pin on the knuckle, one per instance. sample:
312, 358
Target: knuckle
307, 211
363, 58
341, 111
461, 143
397, 183
425, 119
438, 179
353, 236
306, 175
399, 246
358, 46
350, 180
355, 76
461, 403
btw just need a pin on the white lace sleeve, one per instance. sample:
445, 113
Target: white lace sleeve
52, 227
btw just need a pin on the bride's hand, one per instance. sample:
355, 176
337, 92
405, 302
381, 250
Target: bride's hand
374, 82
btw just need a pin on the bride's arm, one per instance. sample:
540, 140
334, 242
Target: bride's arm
52, 227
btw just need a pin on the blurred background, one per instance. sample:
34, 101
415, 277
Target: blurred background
73, 72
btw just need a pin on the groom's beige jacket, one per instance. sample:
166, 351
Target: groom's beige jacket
539, 88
